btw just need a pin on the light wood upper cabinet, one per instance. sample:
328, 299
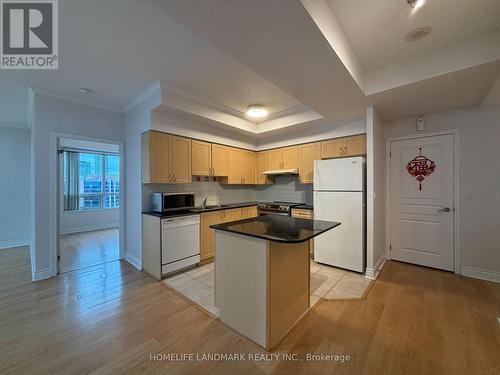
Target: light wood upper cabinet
180, 160
155, 155
249, 167
283, 158
355, 145
290, 157
220, 155
241, 166
346, 146
274, 159
201, 154
165, 158
331, 148
307, 154
261, 166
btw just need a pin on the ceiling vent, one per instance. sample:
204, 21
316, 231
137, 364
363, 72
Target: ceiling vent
418, 34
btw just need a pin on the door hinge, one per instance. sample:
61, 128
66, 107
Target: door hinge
390, 246
58, 258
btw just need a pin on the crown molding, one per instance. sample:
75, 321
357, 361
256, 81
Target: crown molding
142, 96
70, 99
14, 125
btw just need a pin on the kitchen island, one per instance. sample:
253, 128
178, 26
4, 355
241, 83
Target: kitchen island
262, 274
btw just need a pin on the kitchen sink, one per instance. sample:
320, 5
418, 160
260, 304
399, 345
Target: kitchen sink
208, 207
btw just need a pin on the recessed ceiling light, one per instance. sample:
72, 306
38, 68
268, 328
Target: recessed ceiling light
418, 34
257, 111
85, 90
415, 4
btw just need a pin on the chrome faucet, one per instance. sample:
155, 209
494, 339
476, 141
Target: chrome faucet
204, 203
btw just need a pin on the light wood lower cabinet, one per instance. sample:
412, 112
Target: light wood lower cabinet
302, 213
207, 234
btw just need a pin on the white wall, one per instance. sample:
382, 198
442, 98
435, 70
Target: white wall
82, 221
375, 196
14, 187
52, 115
479, 182
137, 121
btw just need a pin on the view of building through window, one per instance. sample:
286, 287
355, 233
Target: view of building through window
98, 180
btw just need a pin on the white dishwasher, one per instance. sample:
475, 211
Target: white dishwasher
180, 242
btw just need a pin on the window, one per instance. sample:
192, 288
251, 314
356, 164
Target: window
91, 181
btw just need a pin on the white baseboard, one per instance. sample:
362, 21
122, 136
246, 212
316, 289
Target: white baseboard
137, 263
372, 273
14, 243
478, 273
89, 228
41, 275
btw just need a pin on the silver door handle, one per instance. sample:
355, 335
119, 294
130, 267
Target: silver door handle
444, 209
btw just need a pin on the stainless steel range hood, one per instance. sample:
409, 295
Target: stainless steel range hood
276, 172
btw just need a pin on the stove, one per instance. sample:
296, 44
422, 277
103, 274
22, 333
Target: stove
276, 208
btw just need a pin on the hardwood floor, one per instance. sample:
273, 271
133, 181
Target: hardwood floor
80, 250
111, 318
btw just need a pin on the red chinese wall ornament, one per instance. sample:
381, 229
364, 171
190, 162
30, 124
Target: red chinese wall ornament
420, 167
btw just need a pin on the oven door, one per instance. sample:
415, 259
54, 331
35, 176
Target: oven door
177, 201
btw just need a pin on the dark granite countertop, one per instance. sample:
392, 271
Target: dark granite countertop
278, 228
225, 206
164, 215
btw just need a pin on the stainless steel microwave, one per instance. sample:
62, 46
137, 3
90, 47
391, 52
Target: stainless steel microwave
167, 202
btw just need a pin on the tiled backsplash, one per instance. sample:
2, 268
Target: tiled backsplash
215, 192
286, 188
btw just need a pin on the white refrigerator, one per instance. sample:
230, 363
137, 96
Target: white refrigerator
339, 195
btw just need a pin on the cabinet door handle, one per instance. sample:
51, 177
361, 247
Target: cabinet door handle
175, 177
170, 177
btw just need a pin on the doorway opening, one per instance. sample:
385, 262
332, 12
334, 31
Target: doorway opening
89, 204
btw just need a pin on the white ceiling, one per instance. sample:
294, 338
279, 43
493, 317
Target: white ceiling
220, 56
118, 49
376, 29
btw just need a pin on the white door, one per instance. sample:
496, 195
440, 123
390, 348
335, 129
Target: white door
422, 212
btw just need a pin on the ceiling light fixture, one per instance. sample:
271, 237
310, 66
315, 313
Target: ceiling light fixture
418, 34
257, 111
415, 4
85, 90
